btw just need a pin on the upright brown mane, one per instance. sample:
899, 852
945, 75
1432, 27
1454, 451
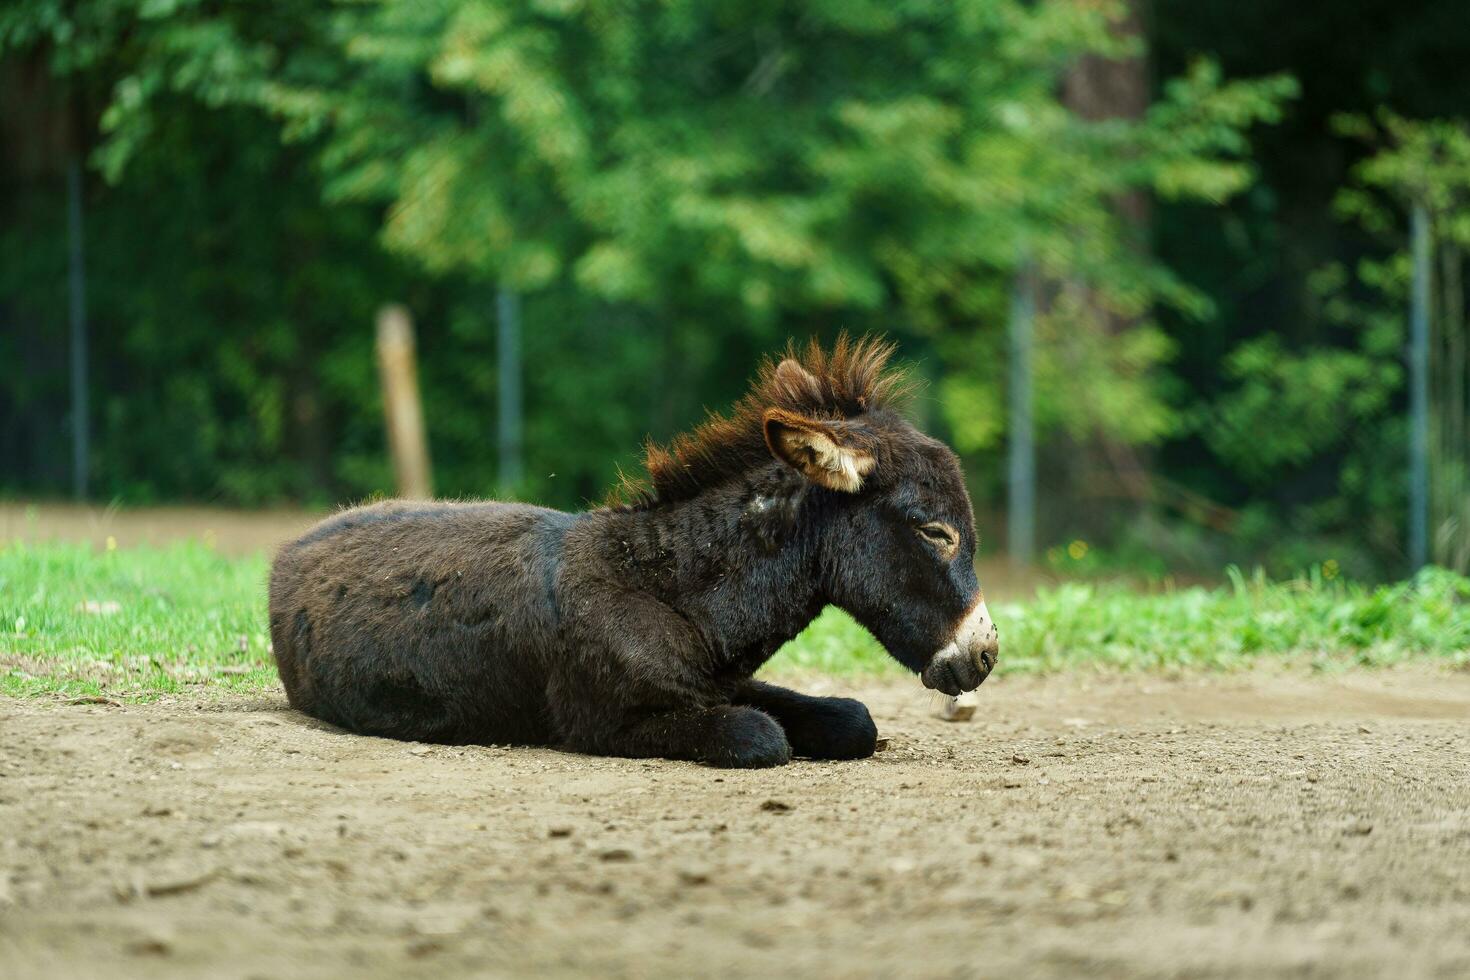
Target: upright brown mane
851, 379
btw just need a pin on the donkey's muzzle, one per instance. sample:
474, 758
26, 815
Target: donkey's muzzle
970, 656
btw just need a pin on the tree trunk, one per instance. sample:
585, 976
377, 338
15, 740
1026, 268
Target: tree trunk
1097, 89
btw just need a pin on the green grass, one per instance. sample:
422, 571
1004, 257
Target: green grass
141, 622
161, 620
1309, 620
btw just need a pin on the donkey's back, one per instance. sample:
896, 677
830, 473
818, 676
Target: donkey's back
425, 621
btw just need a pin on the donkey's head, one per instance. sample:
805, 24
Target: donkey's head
886, 508
898, 540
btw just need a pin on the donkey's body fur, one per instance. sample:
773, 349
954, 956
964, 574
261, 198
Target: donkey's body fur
634, 630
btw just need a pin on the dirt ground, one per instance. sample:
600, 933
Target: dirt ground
233, 532
1264, 824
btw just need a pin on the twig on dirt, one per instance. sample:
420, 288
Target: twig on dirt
180, 885
94, 699
137, 888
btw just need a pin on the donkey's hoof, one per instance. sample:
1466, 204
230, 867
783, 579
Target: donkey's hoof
834, 728
750, 739
851, 734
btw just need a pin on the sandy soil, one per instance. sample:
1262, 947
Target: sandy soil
1252, 825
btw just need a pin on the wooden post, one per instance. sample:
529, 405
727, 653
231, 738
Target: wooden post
401, 406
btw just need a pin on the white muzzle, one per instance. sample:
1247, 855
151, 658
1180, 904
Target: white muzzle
970, 656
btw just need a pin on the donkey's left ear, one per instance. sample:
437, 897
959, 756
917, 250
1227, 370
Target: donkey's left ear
830, 454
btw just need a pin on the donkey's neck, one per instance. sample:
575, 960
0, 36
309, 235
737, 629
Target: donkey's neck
738, 561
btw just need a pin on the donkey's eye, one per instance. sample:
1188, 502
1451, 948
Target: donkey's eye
939, 533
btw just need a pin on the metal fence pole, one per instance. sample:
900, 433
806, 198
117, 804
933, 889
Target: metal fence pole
76, 275
508, 362
1419, 394
1021, 519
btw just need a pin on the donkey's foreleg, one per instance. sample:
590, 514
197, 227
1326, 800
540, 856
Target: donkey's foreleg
817, 728
729, 736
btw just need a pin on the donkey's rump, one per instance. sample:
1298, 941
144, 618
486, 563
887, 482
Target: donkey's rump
421, 621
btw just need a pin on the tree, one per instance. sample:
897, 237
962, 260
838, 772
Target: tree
761, 172
677, 186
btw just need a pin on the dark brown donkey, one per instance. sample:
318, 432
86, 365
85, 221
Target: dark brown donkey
634, 630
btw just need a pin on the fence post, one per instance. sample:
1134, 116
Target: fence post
1419, 393
76, 276
402, 409
1021, 516
508, 362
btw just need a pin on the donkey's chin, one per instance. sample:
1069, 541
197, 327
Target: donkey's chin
954, 671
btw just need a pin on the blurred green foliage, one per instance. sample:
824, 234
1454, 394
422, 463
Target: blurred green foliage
1293, 399
676, 188
1337, 401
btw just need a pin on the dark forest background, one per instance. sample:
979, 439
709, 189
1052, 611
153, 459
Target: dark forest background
1207, 202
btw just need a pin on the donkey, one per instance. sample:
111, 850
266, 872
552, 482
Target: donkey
634, 629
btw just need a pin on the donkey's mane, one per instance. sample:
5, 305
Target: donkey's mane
851, 379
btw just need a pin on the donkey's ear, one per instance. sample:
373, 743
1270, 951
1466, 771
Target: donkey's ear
830, 454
